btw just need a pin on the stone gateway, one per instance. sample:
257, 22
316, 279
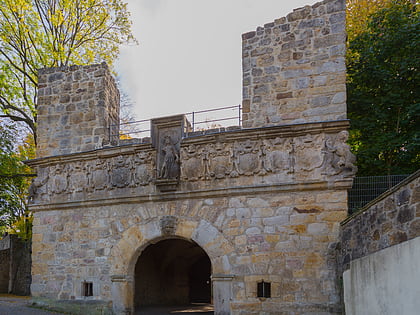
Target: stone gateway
246, 218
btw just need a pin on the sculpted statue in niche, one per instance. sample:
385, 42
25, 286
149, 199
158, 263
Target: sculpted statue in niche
121, 171
308, 153
142, 169
39, 189
170, 159
78, 178
58, 182
219, 160
338, 160
99, 175
247, 158
279, 153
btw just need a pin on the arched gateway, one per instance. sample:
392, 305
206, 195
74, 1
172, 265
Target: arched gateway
126, 223
171, 261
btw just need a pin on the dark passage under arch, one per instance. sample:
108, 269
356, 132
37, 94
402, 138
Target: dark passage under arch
172, 272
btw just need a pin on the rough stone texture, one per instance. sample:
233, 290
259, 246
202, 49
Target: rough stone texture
263, 203
85, 96
15, 265
294, 68
392, 218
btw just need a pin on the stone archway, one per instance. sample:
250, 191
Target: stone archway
135, 240
172, 272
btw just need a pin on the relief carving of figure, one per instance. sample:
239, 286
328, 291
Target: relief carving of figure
38, 189
170, 160
337, 156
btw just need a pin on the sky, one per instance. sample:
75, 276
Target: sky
189, 53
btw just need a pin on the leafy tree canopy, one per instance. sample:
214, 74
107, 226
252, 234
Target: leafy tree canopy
383, 91
49, 33
14, 182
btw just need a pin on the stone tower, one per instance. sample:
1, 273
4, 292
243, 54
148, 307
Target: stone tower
78, 109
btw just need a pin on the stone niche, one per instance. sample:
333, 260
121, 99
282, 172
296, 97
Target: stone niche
249, 205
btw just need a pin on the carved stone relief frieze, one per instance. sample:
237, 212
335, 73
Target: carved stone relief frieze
98, 175
338, 159
307, 153
143, 167
279, 155
248, 158
120, 171
78, 179
58, 182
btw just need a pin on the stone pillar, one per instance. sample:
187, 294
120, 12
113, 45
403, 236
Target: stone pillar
122, 294
78, 109
222, 293
294, 68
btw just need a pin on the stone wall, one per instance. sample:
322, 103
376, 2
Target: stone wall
390, 219
85, 96
294, 68
262, 203
4, 269
15, 265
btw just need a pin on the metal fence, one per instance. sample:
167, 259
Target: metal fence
367, 188
200, 120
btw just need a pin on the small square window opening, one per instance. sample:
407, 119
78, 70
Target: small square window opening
264, 289
87, 288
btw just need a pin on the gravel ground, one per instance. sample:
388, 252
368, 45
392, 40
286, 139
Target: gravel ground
18, 305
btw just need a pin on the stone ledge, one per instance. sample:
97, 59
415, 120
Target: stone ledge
210, 193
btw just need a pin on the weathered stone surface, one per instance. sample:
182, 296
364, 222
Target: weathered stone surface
60, 102
391, 220
288, 49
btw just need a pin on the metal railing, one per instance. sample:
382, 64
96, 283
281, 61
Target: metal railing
199, 120
367, 188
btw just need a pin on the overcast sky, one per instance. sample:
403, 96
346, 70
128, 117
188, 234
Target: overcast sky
189, 52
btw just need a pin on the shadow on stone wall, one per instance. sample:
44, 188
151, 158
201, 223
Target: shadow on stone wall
15, 265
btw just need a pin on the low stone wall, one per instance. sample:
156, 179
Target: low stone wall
390, 219
15, 265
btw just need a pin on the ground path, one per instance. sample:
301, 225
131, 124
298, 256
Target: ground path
19, 305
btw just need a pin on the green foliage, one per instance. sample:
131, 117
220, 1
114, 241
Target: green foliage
14, 182
383, 91
49, 33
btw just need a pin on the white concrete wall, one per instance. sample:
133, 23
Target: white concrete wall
386, 282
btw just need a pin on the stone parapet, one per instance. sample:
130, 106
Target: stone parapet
294, 68
292, 156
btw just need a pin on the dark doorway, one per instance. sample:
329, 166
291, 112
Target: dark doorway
172, 272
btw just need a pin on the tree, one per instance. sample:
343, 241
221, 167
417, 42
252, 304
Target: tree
358, 13
383, 93
49, 33
14, 182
